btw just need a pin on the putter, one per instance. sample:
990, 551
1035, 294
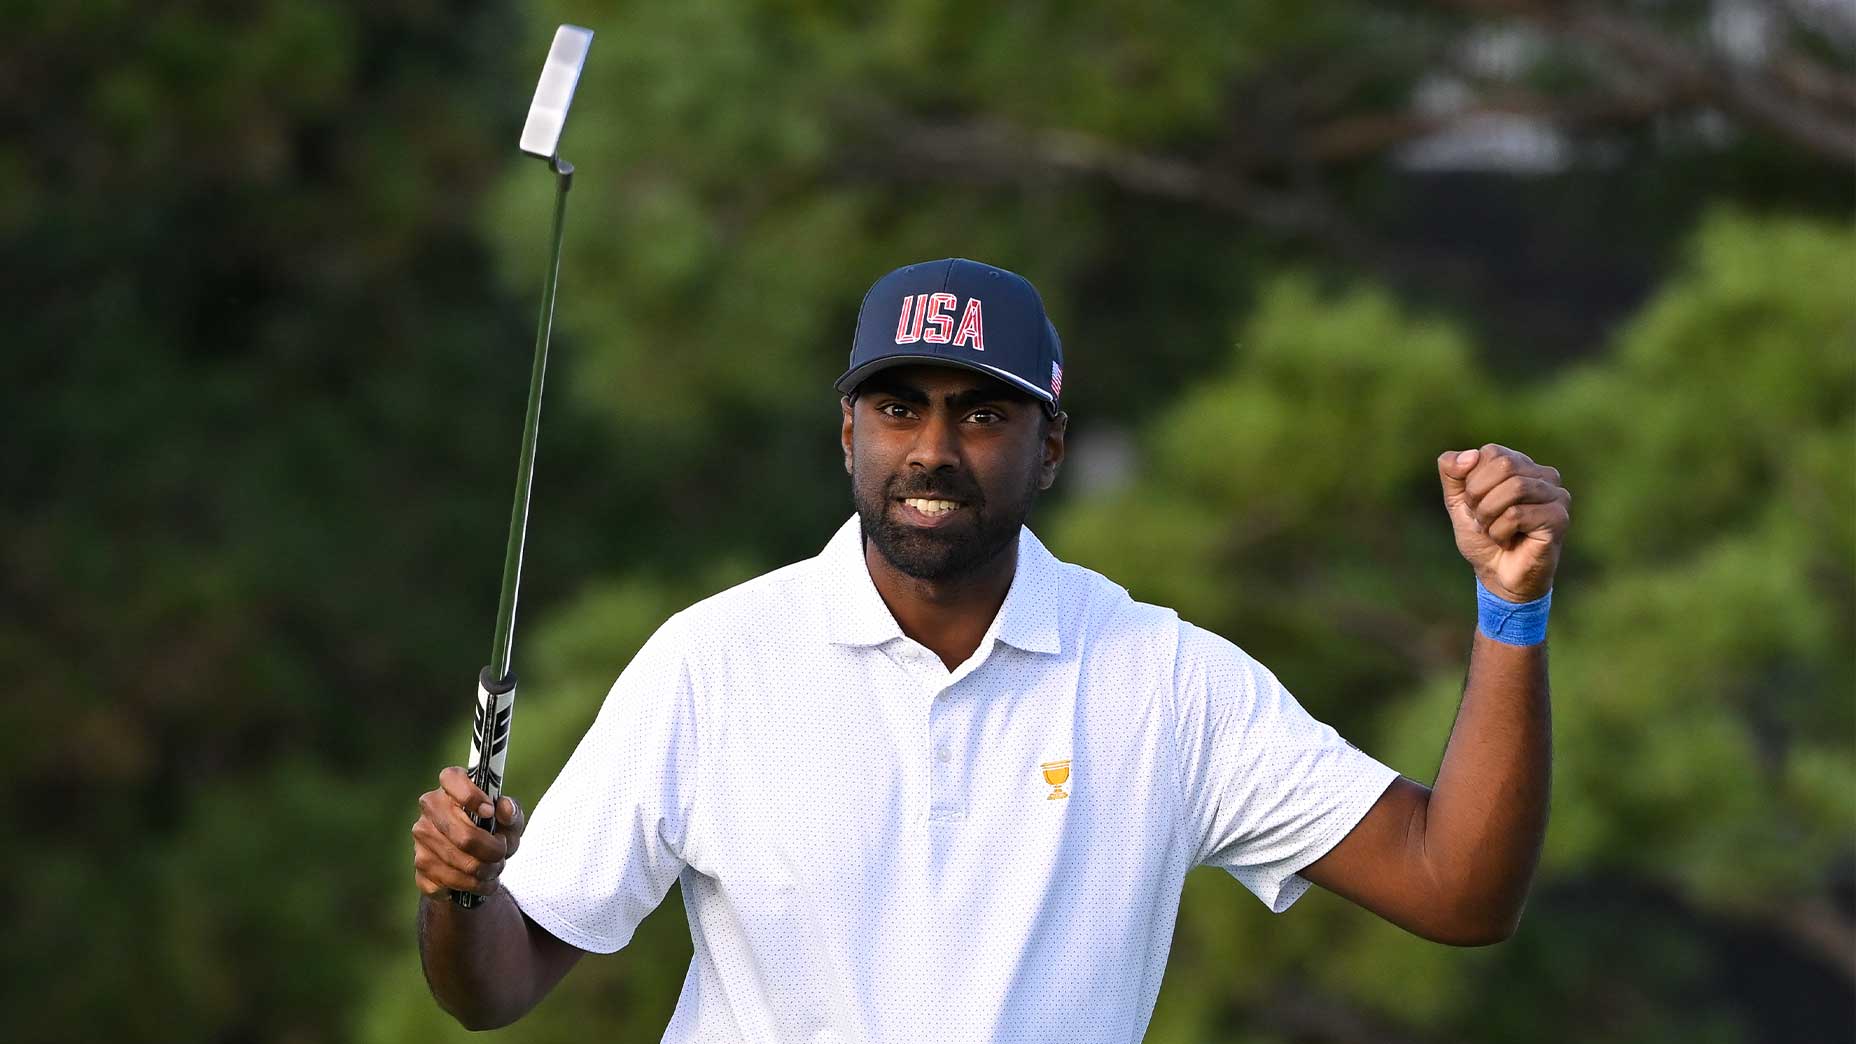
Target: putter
496, 684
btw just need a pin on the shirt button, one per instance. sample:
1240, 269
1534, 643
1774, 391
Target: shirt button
944, 757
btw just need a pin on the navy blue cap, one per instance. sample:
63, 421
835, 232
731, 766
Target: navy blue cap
959, 313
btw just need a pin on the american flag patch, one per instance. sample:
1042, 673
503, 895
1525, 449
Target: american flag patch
1056, 379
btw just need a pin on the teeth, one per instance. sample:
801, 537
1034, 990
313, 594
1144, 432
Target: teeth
931, 507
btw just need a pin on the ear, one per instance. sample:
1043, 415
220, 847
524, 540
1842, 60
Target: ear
1053, 449
844, 431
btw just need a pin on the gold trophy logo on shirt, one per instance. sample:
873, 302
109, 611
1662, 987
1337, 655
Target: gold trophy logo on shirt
1056, 773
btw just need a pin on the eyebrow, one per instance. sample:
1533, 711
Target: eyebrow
991, 392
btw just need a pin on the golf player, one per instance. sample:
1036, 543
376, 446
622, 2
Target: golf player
935, 784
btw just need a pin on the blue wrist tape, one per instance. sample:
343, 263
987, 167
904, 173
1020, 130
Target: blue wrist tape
1512, 623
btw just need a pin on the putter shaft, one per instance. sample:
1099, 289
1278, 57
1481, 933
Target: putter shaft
496, 685
503, 641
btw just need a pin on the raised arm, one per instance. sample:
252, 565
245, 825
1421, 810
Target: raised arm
1454, 863
488, 965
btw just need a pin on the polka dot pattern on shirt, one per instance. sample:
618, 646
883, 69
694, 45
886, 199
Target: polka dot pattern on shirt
873, 847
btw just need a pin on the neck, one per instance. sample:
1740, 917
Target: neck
949, 616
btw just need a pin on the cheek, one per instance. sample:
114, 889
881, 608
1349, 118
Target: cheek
871, 451
1015, 476
865, 465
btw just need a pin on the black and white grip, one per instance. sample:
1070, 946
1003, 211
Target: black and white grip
489, 749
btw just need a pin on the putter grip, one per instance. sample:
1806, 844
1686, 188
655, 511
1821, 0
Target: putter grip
489, 747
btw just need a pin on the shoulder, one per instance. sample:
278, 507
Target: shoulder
1201, 650
1181, 657
777, 606
1217, 681
1103, 617
1088, 601
777, 587
1109, 628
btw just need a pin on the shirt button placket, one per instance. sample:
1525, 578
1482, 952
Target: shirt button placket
924, 669
943, 770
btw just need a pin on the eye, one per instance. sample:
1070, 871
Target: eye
893, 409
986, 415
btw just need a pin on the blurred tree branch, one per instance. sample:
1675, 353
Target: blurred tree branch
1272, 175
992, 151
1818, 928
1787, 94
1360, 137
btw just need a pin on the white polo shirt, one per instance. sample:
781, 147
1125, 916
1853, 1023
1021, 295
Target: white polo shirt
874, 848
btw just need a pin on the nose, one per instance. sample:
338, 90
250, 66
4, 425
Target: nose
936, 443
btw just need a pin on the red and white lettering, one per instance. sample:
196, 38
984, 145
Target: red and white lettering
903, 336
940, 318
909, 326
971, 327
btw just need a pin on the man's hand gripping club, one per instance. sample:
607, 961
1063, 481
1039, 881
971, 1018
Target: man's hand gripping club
449, 851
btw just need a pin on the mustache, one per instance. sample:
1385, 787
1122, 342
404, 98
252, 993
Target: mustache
928, 488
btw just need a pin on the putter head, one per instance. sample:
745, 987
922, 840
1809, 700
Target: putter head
547, 114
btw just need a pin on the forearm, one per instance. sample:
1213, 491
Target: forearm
1486, 817
1453, 863
480, 963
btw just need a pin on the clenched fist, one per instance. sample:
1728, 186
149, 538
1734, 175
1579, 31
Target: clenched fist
449, 851
1510, 516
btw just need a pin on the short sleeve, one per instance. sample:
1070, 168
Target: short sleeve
1268, 789
605, 842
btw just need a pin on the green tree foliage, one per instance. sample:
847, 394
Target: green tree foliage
270, 280
249, 330
1703, 727
1705, 756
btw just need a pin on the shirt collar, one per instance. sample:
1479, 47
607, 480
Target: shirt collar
1027, 620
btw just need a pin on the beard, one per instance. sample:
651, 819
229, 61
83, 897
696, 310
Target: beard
945, 552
